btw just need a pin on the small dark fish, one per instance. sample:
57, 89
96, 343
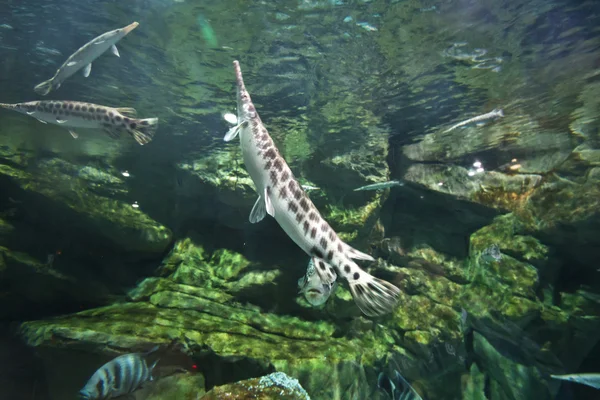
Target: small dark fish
397, 388
119, 376
74, 115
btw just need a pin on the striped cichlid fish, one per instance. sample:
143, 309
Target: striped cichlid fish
284, 199
72, 115
83, 58
314, 290
119, 376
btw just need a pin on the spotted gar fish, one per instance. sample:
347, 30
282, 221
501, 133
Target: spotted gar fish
284, 199
73, 115
119, 376
495, 113
83, 58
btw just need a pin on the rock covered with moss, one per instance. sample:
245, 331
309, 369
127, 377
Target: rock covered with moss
274, 386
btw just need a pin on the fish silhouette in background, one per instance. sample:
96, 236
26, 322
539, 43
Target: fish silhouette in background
314, 290
83, 58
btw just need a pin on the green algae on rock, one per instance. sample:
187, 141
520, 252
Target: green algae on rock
270, 387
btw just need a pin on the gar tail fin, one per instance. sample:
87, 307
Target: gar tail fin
143, 130
372, 295
44, 88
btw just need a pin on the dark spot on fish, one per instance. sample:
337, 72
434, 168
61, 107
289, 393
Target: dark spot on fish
322, 265
273, 176
70, 106
278, 164
77, 107
64, 106
283, 193
84, 108
144, 123
126, 120
297, 194
292, 187
270, 154
285, 176
299, 217
340, 247
292, 207
264, 136
313, 233
324, 226
118, 118
40, 108
331, 271
133, 125
347, 269
332, 236
92, 109
330, 255
306, 226
323, 243
56, 105
304, 204
112, 114
106, 118
356, 276
268, 165
313, 216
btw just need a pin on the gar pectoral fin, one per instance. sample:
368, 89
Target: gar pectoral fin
44, 88
258, 211
87, 69
74, 134
61, 121
114, 50
233, 132
268, 204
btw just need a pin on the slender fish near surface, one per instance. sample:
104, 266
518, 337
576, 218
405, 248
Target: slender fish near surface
83, 58
314, 290
495, 113
284, 199
73, 115
120, 376
380, 185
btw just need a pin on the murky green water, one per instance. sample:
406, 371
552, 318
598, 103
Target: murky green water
490, 228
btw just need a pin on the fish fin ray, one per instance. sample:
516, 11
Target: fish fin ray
61, 121
268, 204
373, 296
145, 130
127, 111
74, 134
30, 112
114, 50
114, 133
325, 271
258, 211
87, 70
351, 252
71, 63
42, 121
233, 132
44, 88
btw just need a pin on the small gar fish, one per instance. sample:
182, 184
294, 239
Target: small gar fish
73, 115
283, 198
314, 290
119, 376
83, 58
380, 185
592, 380
495, 113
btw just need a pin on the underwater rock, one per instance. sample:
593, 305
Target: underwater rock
83, 199
270, 387
513, 380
